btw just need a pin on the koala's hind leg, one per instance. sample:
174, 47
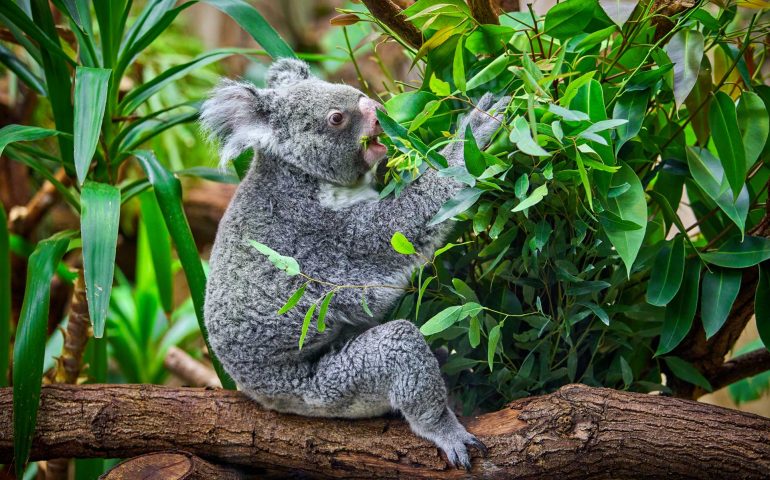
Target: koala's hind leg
390, 366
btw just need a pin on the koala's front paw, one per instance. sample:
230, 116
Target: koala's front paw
486, 118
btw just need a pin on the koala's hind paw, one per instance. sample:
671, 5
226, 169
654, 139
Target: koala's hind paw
456, 450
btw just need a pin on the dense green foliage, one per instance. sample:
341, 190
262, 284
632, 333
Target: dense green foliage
574, 264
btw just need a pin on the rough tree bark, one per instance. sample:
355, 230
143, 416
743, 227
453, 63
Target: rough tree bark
575, 432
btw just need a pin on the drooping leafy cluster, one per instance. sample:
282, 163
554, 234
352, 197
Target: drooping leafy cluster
577, 266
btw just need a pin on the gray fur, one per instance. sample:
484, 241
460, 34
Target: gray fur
358, 367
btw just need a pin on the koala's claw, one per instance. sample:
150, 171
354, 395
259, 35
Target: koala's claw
457, 455
479, 445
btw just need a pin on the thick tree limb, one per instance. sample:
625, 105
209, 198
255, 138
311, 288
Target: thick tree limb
484, 11
575, 432
390, 14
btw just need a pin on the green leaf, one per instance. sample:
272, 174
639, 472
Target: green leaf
91, 86
292, 301
687, 372
701, 95
626, 373
458, 67
398, 133
22, 71
365, 305
488, 73
762, 305
306, 325
737, 254
719, 291
521, 135
99, 221
474, 160
255, 24
532, 199
22, 133
685, 49
584, 179
160, 249
321, 324
724, 132
401, 244
681, 310
619, 12
474, 332
456, 205
281, 262
569, 18
29, 347
442, 320
630, 206
667, 273
464, 290
754, 125
589, 98
567, 114
430, 110
168, 191
494, 339
631, 106
5, 296
707, 172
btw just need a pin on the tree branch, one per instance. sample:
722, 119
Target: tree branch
483, 11
390, 14
743, 366
576, 432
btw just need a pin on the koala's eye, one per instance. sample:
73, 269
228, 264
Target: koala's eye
335, 118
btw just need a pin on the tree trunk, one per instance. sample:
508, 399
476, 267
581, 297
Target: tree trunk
576, 432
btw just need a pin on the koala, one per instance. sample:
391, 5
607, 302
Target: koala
308, 194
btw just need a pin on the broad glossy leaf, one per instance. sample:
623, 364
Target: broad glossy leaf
630, 106
22, 133
701, 94
401, 244
442, 320
5, 297
619, 11
762, 305
724, 132
736, 254
29, 347
474, 160
521, 135
532, 199
589, 98
719, 290
458, 66
667, 273
681, 310
288, 264
90, 100
707, 172
456, 205
630, 206
494, 340
687, 372
569, 18
685, 49
488, 73
255, 24
168, 191
754, 125
99, 220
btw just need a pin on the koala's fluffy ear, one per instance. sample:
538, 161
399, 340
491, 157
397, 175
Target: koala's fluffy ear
287, 71
235, 115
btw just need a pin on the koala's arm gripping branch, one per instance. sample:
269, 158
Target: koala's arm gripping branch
576, 432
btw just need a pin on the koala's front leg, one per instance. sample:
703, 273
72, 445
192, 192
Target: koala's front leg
390, 367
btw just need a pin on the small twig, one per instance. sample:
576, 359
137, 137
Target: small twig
740, 367
190, 370
390, 14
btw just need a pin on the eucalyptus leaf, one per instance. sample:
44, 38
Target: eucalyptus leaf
685, 49
681, 310
719, 291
